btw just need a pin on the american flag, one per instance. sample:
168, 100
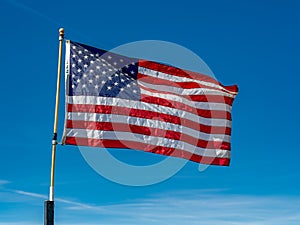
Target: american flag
114, 101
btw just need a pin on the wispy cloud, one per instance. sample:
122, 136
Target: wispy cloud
2, 187
69, 202
30, 10
191, 207
31, 194
3, 182
197, 207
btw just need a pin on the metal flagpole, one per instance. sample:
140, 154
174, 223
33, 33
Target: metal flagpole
49, 204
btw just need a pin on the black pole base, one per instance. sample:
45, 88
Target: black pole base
49, 212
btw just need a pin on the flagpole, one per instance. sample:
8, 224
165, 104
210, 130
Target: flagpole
49, 204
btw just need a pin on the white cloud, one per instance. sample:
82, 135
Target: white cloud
3, 182
30, 10
191, 207
17, 223
41, 196
31, 194
196, 207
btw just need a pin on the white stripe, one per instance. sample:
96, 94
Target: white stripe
194, 104
113, 118
183, 91
67, 74
169, 77
152, 140
99, 100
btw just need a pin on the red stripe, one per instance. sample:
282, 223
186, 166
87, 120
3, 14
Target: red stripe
107, 126
198, 98
211, 98
104, 109
184, 84
216, 114
182, 73
147, 148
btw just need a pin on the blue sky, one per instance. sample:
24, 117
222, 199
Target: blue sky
254, 44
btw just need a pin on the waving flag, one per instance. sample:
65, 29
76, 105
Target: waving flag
114, 101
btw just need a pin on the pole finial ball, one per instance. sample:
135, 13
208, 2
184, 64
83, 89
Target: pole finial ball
61, 32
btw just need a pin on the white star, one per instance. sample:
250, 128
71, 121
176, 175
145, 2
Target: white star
90, 81
85, 56
85, 50
128, 85
84, 75
122, 89
115, 63
73, 56
73, 75
109, 69
92, 61
78, 80
96, 86
116, 75
116, 83
97, 76
134, 84
92, 55
79, 60
79, 70
110, 78
132, 63
103, 64
85, 66
122, 80
97, 55
132, 72
103, 72
108, 88
74, 47
121, 60
79, 52
91, 71
73, 86
109, 57
73, 65
103, 82
134, 91
127, 66
98, 67
83, 86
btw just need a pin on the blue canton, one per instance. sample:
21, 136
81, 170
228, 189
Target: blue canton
95, 72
